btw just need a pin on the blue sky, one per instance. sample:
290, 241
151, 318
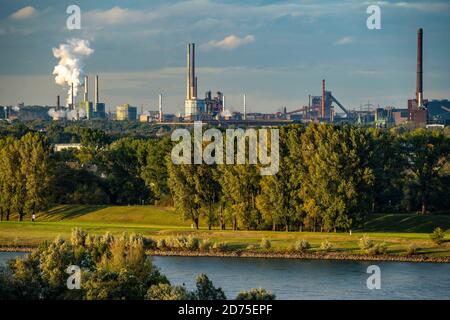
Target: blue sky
276, 52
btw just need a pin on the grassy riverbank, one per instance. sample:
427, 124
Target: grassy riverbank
397, 231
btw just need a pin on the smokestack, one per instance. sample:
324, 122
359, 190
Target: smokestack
419, 79
188, 72
192, 72
95, 93
57, 103
86, 98
160, 108
72, 106
323, 98
223, 103
245, 107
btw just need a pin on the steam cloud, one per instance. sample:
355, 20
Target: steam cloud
70, 66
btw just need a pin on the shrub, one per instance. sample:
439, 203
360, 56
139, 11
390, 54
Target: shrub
255, 294
377, 249
412, 249
78, 237
266, 244
251, 247
205, 245
149, 243
182, 242
165, 291
192, 243
301, 245
365, 243
326, 246
161, 244
438, 236
220, 246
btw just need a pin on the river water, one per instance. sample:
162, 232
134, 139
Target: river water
307, 279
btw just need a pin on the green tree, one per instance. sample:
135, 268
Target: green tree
183, 188
426, 152
336, 176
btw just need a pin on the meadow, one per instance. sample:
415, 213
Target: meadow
398, 231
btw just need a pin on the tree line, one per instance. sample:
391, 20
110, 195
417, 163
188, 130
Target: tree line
330, 177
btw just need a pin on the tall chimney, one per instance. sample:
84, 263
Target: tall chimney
192, 73
323, 99
188, 72
160, 108
223, 103
86, 98
57, 103
72, 106
95, 93
419, 79
245, 107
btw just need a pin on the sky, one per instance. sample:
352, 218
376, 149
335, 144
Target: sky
276, 52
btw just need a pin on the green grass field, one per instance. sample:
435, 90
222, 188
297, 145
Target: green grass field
398, 231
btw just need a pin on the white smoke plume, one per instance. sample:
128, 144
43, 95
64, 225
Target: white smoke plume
70, 66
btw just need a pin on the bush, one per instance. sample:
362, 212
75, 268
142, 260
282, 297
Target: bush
301, 245
192, 243
182, 242
365, 243
149, 243
165, 291
326, 246
220, 246
251, 247
266, 244
412, 249
205, 245
161, 244
377, 249
438, 236
255, 294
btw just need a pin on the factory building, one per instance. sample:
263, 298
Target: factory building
193, 107
439, 111
95, 109
126, 112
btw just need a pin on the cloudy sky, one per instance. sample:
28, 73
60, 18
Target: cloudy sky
276, 52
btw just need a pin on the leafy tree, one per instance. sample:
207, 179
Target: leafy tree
183, 188
154, 172
240, 183
206, 290
164, 291
335, 175
426, 153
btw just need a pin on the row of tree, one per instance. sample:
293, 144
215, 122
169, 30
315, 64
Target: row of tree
330, 177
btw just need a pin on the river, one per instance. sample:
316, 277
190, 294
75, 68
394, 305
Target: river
307, 279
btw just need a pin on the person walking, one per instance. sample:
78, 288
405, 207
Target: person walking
33, 217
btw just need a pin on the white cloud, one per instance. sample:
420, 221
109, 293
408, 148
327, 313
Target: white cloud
344, 41
230, 42
117, 16
419, 6
24, 13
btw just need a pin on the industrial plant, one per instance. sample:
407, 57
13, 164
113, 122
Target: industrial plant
325, 107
